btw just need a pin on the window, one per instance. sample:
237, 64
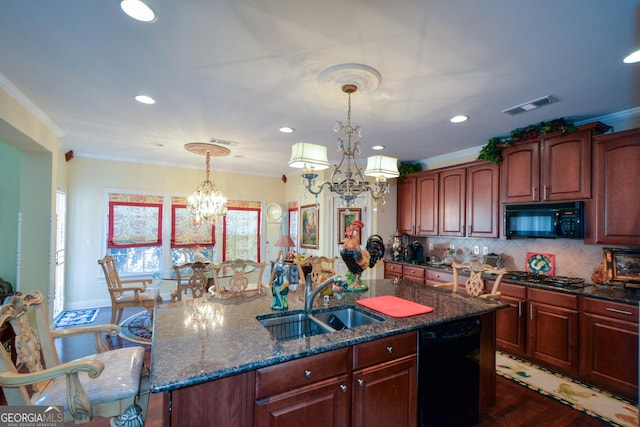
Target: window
135, 233
293, 223
242, 231
185, 234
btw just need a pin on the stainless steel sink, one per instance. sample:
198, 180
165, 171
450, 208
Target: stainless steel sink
346, 317
293, 325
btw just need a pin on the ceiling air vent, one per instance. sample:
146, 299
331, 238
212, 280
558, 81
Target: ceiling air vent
222, 141
530, 105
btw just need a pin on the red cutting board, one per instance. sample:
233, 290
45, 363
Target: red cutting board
394, 306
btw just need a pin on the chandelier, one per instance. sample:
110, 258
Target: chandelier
347, 178
206, 202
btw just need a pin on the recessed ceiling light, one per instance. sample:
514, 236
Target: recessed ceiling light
459, 119
286, 129
144, 99
632, 58
378, 147
138, 10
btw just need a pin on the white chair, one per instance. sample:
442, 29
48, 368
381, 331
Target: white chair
110, 383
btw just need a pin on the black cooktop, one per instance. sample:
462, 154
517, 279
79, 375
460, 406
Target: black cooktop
560, 281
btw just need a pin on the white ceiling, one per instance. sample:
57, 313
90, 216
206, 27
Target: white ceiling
239, 69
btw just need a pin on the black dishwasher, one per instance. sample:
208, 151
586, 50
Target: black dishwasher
449, 374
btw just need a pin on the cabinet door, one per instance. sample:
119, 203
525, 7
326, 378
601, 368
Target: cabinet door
511, 324
386, 394
427, 205
392, 270
609, 346
483, 192
452, 202
415, 274
617, 205
520, 173
322, 404
553, 336
406, 205
566, 167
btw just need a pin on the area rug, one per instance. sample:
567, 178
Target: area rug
594, 402
137, 328
76, 317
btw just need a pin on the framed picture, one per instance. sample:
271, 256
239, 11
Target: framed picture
622, 265
309, 225
345, 219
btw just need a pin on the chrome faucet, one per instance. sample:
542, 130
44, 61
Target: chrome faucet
309, 294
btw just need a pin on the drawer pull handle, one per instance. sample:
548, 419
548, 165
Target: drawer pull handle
307, 373
389, 349
343, 388
615, 310
360, 382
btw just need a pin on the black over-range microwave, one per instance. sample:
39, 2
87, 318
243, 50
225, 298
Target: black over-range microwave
546, 220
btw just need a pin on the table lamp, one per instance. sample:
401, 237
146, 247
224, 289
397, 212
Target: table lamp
285, 243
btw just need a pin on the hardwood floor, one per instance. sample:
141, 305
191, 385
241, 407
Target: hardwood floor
516, 406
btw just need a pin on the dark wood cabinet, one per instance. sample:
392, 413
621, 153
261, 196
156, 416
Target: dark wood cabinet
316, 385
483, 193
417, 211
385, 382
613, 217
433, 277
552, 329
392, 270
609, 345
406, 205
452, 207
413, 273
511, 322
427, 192
554, 167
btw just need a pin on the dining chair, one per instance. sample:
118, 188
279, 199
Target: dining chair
123, 295
110, 383
321, 269
238, 278
193, 277
474, 285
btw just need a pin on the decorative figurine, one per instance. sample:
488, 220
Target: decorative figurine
279, 287
357, 259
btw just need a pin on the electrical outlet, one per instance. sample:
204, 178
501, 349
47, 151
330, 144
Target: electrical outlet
452, 246
485, 250
476, 250
430, 246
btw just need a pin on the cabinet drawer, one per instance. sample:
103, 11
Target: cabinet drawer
611, 309
384, 350
553, 298
396, 268
413, 272
297, 373
514, 291
439, 276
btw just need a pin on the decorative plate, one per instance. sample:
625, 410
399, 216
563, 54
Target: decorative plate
540, 263
274, 212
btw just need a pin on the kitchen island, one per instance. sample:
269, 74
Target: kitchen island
208, 355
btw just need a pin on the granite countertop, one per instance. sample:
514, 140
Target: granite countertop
613, 293
231, 340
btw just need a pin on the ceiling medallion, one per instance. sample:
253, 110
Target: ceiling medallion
365, 78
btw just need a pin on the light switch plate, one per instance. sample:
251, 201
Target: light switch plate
485, 250
476, 250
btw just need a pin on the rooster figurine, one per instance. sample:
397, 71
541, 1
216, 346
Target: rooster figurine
358, 259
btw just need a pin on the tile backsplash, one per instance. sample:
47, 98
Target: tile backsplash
572, 257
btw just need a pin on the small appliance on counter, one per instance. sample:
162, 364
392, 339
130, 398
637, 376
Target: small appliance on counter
418, 252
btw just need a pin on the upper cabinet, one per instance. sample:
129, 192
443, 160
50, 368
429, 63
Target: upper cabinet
556, 167
614, 214
459, 201
418, 204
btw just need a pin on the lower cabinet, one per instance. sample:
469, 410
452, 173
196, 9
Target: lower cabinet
413, 273
315, 389
433, 277
375, 383
511, 322
384, 382
552, 329
609, 345
392, 270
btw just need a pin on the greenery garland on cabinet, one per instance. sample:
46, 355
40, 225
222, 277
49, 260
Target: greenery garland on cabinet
492, 151
405, 168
